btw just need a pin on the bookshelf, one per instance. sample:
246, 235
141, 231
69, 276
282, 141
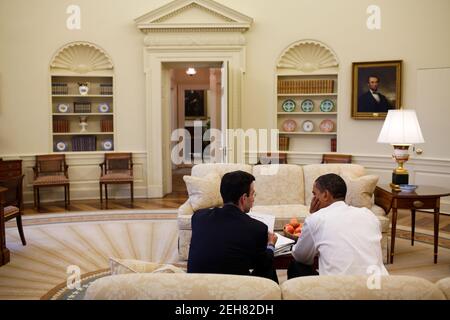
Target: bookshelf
82, 99
307, 98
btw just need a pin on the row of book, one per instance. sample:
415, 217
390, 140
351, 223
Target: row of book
84, 143
60, 125
311, 86
283, 144
106, 125
106, 89
82, 107
60, 88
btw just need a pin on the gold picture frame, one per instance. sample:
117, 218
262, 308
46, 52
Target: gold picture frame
376, 88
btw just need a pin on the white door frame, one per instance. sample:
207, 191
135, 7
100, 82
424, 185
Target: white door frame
154, 58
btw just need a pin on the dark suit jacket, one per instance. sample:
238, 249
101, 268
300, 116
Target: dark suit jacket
367, 103
226, 240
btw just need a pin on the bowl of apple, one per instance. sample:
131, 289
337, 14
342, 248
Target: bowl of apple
293, 229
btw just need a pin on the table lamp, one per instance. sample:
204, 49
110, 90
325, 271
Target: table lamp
401, 129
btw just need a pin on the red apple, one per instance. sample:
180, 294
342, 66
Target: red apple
294, 222
289, 228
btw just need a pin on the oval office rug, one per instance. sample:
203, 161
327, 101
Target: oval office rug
58, 241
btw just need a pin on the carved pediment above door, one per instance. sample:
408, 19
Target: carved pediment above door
194, 15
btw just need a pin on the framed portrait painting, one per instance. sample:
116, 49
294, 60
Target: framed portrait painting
376, 88
195, 104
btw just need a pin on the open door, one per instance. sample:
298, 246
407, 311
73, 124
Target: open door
225, 151
166, 126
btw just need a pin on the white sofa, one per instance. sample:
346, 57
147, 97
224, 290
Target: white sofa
283, 190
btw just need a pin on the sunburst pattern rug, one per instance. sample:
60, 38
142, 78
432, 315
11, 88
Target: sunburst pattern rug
54, 245
87, 240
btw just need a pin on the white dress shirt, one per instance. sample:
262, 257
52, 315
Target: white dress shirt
347, 240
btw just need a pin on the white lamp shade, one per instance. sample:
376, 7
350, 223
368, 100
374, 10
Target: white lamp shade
401, 127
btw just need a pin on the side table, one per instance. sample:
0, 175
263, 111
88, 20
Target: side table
424, 197
4, 252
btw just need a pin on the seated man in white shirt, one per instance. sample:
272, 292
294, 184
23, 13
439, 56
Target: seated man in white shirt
346, 239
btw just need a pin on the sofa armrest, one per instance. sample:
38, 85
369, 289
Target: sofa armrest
185, 209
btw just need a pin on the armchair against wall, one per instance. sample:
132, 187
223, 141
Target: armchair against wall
51, 171
117, 168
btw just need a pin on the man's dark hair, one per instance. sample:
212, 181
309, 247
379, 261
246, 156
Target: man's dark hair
373, 76
334, 184
234, 185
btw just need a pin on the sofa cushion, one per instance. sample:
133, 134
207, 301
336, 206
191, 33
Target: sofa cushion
313, 171
356, 288
125, 266
283, 213
279, 184
360, 190
182, 286
203, 192
203, 169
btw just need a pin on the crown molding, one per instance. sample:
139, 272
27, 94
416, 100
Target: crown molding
159, 20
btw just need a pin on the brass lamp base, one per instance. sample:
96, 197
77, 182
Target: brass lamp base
400, 174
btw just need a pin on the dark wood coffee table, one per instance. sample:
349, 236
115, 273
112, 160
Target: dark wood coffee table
424, 197
282, 262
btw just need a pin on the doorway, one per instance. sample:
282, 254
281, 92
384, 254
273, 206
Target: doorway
195, 102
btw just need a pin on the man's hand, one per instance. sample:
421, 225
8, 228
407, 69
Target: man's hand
315, 205
272, 238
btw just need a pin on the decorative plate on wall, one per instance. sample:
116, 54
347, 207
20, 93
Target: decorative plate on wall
289, 125
62, 108
103, 108
327, 106
107, 145
289, 105
308, 126
326, 126
307, 105
61, 146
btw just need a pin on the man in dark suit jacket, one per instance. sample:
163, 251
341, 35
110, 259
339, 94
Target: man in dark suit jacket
227, 240
372, 100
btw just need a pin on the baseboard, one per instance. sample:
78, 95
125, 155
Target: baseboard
114, 192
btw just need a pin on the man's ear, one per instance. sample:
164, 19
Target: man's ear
327, 195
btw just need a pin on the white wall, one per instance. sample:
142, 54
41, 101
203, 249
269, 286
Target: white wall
413, 31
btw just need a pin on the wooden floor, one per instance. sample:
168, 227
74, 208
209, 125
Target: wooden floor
170, 201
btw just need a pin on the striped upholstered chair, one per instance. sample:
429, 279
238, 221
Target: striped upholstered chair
13, 205
51, 171
117, 168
